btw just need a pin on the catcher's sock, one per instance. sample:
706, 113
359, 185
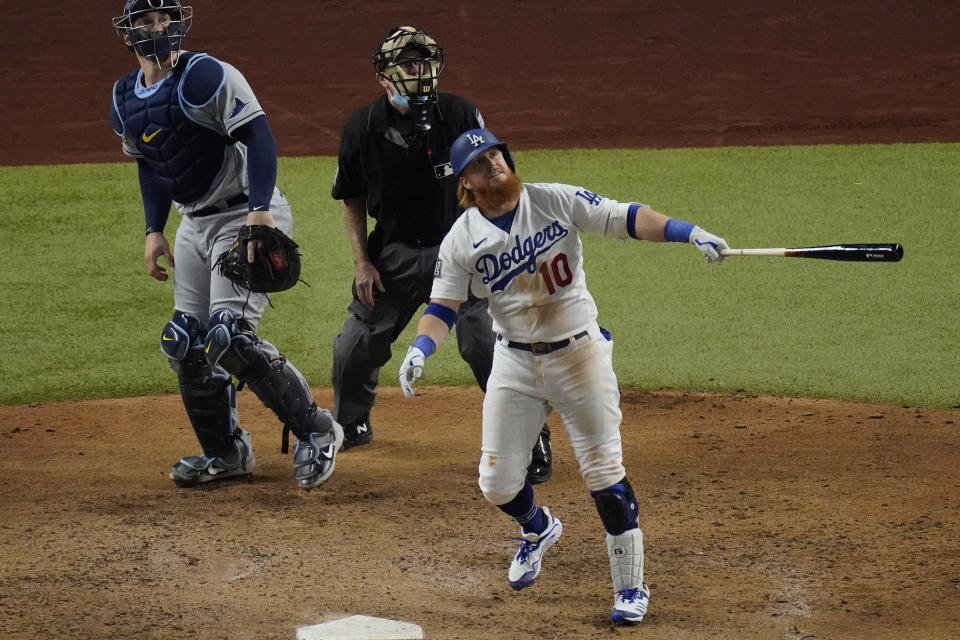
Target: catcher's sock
525, 511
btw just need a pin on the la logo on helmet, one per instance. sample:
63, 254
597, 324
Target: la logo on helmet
475, 139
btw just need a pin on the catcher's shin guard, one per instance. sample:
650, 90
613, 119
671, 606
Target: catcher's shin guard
208, 394
257, 363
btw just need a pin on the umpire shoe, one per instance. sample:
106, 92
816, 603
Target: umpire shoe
194, 470
357, 432
541, 466
527, 563
630, 605
315, 455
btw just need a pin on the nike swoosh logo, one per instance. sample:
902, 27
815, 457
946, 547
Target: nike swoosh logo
477, 244
329, 452
148, 138
165, 338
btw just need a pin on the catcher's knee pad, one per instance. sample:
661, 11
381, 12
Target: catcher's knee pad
256, 363
617, 507
208, 394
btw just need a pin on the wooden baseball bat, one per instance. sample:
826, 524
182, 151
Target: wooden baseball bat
847, 252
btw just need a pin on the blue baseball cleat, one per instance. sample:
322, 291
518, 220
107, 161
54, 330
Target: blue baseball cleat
630, 605
527, 563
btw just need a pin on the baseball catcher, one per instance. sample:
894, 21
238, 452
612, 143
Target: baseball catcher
202, 143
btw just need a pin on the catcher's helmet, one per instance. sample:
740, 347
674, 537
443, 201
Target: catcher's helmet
472, 143
421, 84
156, 44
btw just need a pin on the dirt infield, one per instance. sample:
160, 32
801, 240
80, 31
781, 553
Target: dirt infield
764, 517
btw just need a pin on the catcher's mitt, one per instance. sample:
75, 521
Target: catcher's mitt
276, 264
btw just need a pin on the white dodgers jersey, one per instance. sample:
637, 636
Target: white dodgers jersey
532, 275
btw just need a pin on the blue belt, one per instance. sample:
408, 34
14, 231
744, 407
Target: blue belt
220, 207
543, 348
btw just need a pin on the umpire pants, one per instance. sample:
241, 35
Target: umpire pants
364, 343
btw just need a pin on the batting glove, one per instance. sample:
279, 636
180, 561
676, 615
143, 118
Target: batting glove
708, 244
411, 369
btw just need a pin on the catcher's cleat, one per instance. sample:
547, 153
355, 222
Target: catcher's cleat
194, 470
527, 563
357, 432
630, 605
541, 466
315, 455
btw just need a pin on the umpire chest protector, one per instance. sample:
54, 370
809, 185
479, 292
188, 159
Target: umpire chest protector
184, 155
408, 183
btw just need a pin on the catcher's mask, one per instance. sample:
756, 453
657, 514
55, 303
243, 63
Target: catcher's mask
414, 76
155, 40
472, 143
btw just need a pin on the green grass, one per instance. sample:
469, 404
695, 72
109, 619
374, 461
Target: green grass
82, 318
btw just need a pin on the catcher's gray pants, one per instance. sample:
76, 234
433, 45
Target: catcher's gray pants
197, 287
363, 345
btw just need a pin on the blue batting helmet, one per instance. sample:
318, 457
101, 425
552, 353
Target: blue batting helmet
472, 143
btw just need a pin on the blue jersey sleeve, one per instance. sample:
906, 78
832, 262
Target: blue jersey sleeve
261, 161
156, 204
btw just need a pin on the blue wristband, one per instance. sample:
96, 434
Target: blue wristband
446, 314
425, 344
632, 219
677, 231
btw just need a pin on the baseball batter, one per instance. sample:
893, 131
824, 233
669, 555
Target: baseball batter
202, 142
518, 245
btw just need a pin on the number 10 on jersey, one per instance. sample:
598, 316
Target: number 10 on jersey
557, 274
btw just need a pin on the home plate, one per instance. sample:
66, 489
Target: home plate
361, 628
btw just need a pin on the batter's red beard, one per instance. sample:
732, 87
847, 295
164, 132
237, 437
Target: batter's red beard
505, 191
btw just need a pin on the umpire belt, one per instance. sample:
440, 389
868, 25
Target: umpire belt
220, 207
543, 348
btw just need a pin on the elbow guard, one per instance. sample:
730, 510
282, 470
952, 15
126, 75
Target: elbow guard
622, 224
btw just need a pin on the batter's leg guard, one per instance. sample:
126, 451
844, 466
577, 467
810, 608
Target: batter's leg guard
626, 559
617, 506
283, 390
209, 399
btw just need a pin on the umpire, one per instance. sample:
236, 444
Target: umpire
394, 164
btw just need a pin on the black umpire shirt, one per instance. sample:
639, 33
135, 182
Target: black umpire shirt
405, 177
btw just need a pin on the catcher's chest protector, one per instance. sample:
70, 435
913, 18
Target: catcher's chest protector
184, 155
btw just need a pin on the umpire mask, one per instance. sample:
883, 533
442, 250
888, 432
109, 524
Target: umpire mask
412, 61
154, 28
